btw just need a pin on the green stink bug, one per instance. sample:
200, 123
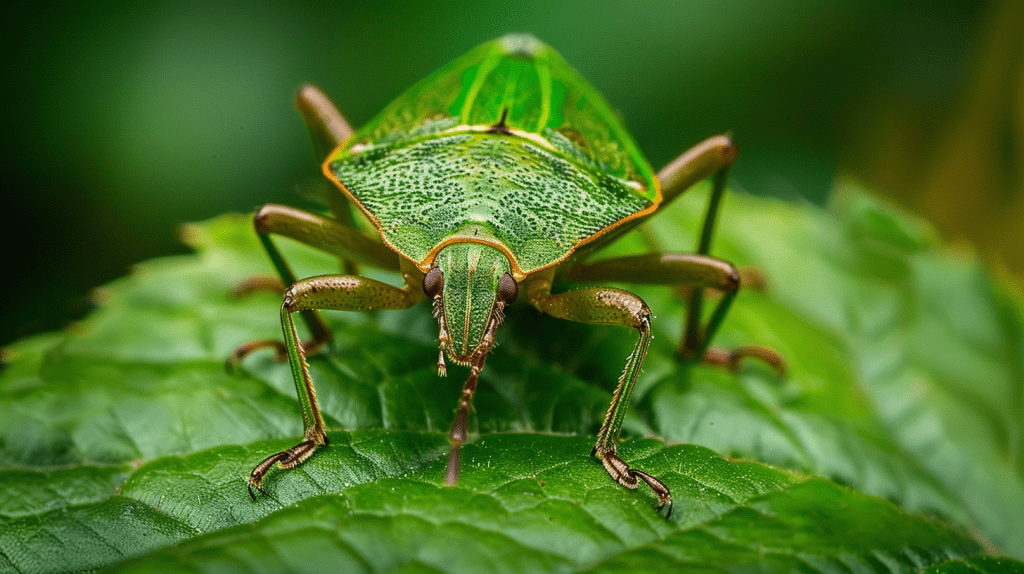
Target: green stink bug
494, 176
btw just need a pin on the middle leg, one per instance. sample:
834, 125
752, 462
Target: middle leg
712, 157
697, 272
319, 232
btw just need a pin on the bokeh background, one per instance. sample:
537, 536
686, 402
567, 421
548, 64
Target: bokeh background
123, 119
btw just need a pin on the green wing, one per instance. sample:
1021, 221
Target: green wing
536, 91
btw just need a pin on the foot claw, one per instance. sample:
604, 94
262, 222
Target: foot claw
245, 349
752, 278
659, 488
662, 505
730, 358
289, 459
630, 478
256, 283
280, 351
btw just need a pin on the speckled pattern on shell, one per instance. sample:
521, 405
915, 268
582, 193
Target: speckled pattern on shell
537, 202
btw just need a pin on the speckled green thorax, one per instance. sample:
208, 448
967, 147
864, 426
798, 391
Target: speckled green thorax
560, 169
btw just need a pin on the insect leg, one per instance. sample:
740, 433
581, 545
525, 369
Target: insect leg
713, 156
319, 232
339, 292
326, 124
608, 306
328, 128
709, 157
697, 272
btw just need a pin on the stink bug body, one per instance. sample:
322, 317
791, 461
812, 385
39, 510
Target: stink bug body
485, 181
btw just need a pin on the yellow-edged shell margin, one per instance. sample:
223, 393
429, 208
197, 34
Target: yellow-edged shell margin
565, 170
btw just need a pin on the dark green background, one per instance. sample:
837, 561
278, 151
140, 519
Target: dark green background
124, 119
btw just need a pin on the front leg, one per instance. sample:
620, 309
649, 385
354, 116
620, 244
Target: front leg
608, 306
339, 292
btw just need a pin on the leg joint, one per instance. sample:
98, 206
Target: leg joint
260, 219
732, 282
728, 149
644, 318
290, 302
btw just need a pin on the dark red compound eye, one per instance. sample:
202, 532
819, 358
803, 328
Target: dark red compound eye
432, 282
508, 289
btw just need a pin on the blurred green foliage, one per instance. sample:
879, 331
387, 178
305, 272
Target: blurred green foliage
124, 119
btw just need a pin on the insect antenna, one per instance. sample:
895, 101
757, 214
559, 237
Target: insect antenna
443, 339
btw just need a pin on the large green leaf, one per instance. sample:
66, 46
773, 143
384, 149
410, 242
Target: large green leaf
893, 443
